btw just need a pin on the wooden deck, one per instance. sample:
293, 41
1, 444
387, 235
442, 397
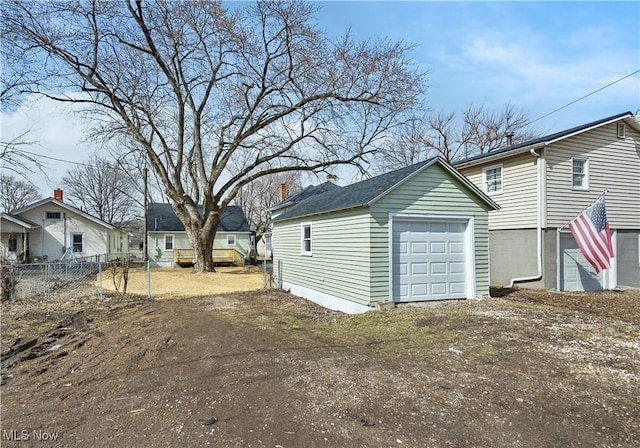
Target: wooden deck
220, 256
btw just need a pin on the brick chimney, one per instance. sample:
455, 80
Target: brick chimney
282, 193
57, 194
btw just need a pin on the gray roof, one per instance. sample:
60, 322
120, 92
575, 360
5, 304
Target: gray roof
306, 193
547, 138
162, 218
350, 196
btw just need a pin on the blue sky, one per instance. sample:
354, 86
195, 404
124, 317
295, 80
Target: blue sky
537, 56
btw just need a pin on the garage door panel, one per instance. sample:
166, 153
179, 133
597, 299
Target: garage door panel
418, 248
434, 263
419, 289
438, 268
418, 268
438, 289
456, 247
456, 268
438, 247
576, 274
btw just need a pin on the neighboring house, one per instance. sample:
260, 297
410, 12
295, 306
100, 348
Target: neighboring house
169, 245
50, 229
414, 234
543, 184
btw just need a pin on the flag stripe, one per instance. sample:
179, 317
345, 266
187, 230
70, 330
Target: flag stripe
591, 251
597, 248
593, 235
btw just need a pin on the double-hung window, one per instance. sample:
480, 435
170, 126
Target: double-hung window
168, 242
492, 179
231, 240
306, 239
76, 240
580, 173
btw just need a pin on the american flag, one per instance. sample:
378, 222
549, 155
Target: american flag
592, 233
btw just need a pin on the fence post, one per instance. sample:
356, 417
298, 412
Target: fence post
100, 276
148, 280
47, 280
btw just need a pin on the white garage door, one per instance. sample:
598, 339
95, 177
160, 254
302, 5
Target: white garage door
429, 260
576, 274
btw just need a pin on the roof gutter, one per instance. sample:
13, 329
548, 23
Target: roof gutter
538, 276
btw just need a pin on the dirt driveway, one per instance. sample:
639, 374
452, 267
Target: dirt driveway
528, 369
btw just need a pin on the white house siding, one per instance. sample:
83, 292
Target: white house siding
430, 192
518, 200
55, 234
614, 164
340, 260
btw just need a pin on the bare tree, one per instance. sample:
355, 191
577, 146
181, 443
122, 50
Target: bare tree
486, 131
16, 194
14, 152
102, 189
258, 196
479, 131
408, 144
200, 88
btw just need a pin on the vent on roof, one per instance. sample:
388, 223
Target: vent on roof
620, 130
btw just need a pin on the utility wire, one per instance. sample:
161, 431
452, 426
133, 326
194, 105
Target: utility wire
581, 98
56, 159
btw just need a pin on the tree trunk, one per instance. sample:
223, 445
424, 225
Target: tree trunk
202, 244
200, 235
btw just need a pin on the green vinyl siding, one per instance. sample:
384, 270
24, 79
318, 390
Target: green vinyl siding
351, 248
432, 191
339, 264
157, 253
242, 242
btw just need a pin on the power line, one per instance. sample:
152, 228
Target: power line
581, 98
56, 159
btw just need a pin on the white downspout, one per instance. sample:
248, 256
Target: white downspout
538, 276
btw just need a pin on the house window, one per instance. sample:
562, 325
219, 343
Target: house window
621, 130
76, 240
306, 239
53, 215
168, 242
231, 240
492, 179
580, 173
13, 243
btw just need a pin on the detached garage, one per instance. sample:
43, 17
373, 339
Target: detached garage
414, 234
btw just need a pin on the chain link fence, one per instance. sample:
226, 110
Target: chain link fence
45, 280
91, 276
